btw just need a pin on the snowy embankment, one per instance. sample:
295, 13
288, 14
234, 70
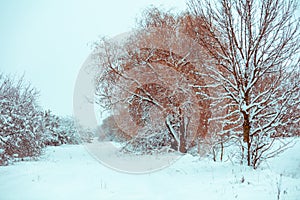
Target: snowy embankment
70, 172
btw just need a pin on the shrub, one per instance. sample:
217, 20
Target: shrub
20, 120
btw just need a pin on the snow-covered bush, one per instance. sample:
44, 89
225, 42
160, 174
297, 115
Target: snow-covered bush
149, 143
20, 120
63, 130
25, 129
67, 132
50, 126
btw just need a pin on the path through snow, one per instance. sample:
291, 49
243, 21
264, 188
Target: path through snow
70, 172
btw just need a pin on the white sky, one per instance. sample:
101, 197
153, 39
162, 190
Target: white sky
48, 40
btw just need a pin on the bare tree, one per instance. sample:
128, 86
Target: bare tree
254, 46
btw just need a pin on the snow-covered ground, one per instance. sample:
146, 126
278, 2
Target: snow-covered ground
70, 172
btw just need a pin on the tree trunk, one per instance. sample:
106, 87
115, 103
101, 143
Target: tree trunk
182, 137
184, 123
246, 134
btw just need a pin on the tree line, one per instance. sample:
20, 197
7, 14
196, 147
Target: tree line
222, 73
25, 128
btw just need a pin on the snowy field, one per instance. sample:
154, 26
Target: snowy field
70, 172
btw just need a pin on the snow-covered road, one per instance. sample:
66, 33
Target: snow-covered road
70, 172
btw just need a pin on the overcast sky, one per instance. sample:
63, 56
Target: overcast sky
50, 40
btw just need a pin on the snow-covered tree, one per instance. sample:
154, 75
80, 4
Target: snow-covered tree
59, 130
25, 129
254, 46
147, 81
50, 126
20, 120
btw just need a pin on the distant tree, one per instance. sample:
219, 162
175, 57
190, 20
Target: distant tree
109, 131
51, 123
254, 46
59, 130
67, 131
